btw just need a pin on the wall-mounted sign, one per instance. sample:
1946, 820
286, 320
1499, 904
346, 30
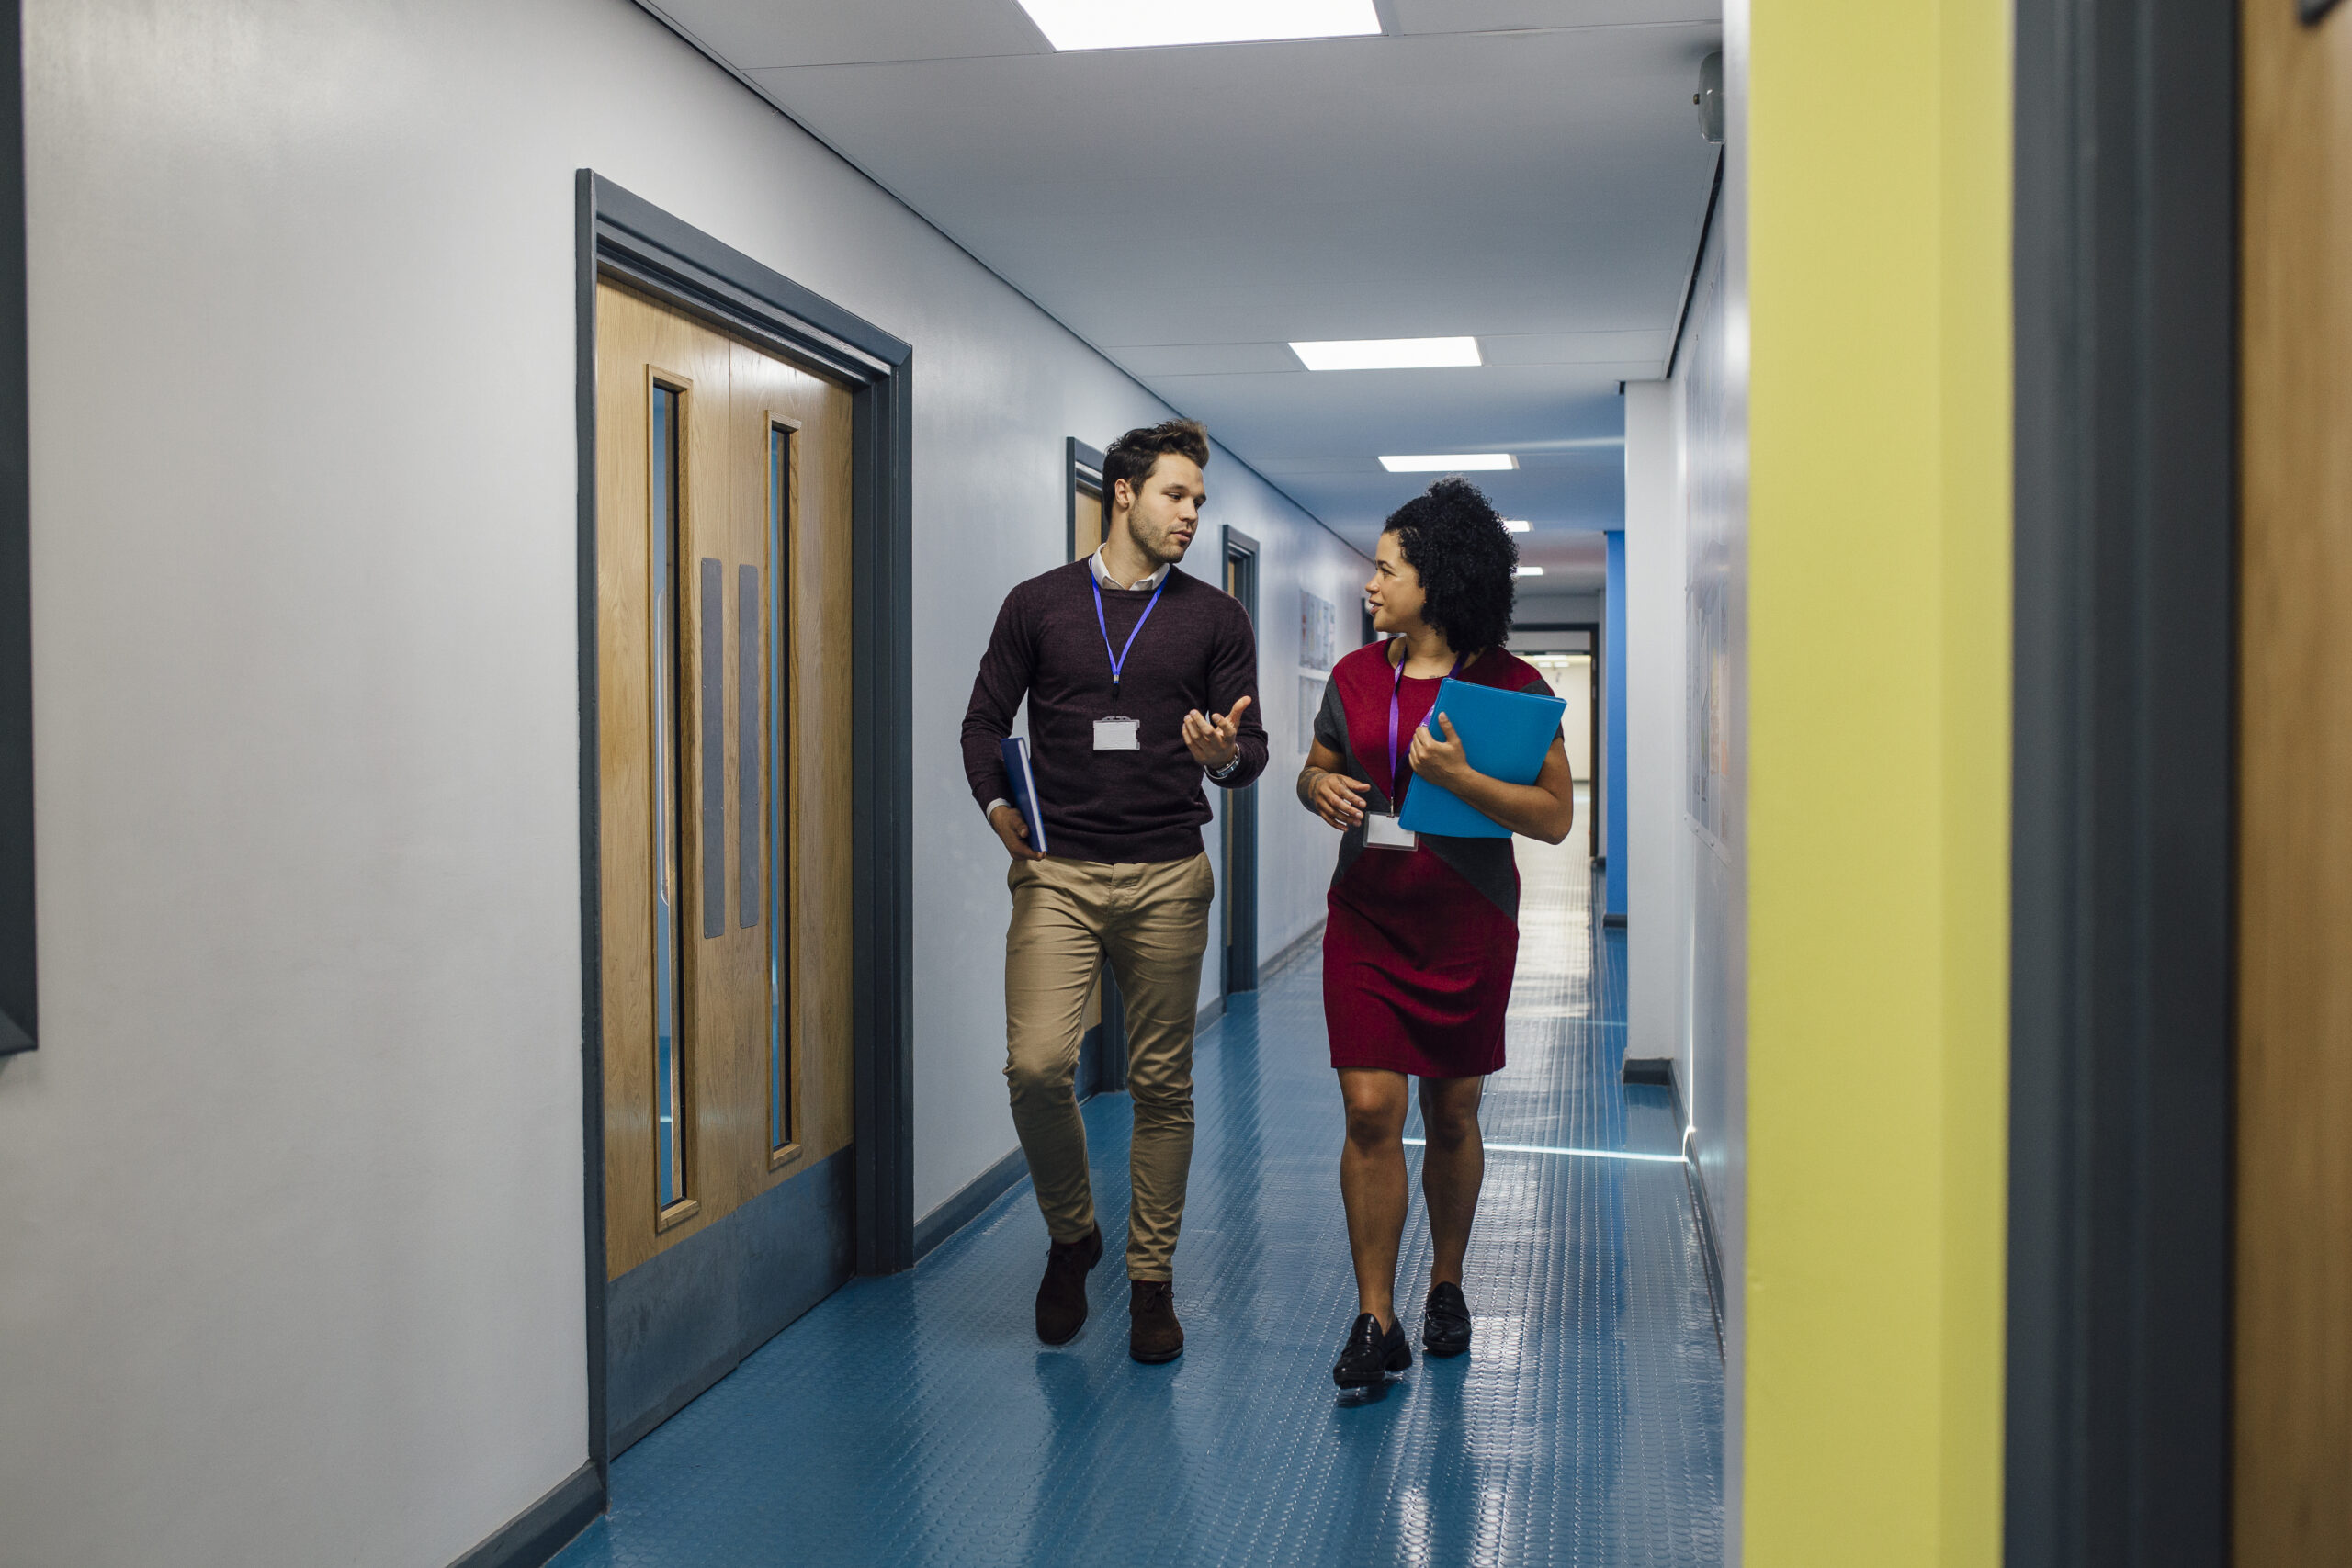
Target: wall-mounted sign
1318, 631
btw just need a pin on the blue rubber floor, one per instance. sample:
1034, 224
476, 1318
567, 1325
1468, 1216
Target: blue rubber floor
916, 1420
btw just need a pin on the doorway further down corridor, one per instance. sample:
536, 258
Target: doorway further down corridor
914, 1419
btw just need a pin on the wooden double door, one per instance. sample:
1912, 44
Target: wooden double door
724, 476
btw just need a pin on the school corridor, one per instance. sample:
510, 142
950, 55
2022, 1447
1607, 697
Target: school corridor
913, 1420
610, 609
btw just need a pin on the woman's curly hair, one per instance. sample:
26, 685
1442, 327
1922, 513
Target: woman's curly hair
1468, 563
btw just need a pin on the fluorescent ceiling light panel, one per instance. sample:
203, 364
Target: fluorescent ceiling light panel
1516, 524
1128, 24
1450, 463
1531, 571
1388, 353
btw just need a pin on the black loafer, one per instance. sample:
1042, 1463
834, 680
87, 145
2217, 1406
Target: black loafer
1371, 1354
1445, 1321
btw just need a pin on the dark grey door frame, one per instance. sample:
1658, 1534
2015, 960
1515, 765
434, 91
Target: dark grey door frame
622, 235
1592, 748
1239, 960
1085, 473
1103, 1055
19, 987
2121, 1081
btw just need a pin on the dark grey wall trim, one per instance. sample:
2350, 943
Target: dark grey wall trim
1240, 813
20, 1009
1691, 281
626, 236
1710, 1253
2121, 1171
1307, 941
882, 818
689, 264
589, 786
969, 1202
538, 1533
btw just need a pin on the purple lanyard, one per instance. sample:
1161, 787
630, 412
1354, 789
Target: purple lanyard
1395, 779
1119, 658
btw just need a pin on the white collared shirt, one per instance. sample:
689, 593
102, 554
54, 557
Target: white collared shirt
1102, 574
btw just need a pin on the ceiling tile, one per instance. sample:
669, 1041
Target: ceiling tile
754, 35
1497, 15
1190, 211
1207, 359
1646, 347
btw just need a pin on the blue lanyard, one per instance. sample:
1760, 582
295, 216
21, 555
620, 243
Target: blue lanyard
1119, 659
1395, 779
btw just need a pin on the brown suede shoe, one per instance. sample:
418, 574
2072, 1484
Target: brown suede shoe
1061, 1297
1153, 1333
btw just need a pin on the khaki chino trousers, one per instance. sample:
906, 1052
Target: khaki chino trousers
1151, 922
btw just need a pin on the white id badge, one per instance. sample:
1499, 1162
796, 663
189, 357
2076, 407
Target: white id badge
1116, 735
1381, 832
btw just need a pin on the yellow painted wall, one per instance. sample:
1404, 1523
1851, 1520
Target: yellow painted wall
1879, 626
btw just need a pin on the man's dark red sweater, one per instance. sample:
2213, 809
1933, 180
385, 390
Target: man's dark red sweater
1196, 651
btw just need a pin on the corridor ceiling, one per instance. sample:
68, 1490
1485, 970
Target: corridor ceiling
1527, 171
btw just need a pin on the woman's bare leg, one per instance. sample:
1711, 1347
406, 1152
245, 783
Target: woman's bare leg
1453, 1167
1372, 1183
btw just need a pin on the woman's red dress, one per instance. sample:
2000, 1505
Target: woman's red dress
1422, 943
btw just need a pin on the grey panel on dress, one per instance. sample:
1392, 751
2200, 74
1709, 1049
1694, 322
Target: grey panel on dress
750, 744
712, 768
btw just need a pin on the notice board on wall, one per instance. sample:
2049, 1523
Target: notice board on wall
1319, 632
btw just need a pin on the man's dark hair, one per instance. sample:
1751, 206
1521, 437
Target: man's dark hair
1468, 563
1132, 456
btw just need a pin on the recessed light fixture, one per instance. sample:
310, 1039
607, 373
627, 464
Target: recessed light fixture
1516, 524
1120, 24
1388, 353
1450, 463
1531, 571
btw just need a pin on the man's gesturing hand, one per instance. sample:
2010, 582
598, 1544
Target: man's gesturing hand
1006, 821
1211, 739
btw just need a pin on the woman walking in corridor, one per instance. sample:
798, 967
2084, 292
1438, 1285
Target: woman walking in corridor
1423, 936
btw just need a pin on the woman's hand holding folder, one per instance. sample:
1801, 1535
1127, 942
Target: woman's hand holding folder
1440, 761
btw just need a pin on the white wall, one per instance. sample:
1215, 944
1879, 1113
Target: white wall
289, 1199
1686, 581
1657, 625
1297, 852
1577, 604
1711, 393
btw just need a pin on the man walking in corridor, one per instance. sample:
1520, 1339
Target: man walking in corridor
1140, 681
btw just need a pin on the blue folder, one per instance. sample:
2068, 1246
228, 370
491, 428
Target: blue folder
1505, 735
1014, 749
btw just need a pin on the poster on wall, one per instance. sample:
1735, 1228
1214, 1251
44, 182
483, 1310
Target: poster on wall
1707, 748
1318, 631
